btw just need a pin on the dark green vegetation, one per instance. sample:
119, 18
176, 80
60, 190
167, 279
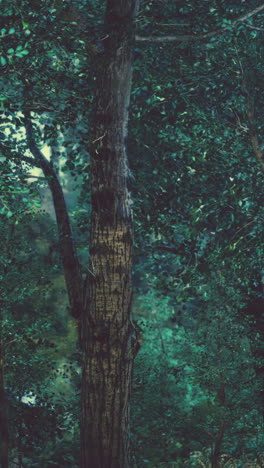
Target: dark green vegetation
196, 173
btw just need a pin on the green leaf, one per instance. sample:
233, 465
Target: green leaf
3, 62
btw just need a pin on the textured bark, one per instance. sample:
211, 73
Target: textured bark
109, 339
4, 435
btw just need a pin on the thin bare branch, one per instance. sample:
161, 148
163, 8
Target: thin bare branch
254, 28
29, 176
199, 37
250, 14
161, 24
180, 38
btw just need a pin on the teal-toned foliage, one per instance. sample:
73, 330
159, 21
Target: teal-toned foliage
198, 204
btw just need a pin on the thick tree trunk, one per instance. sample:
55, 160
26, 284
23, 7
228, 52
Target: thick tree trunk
4, 435
109, 339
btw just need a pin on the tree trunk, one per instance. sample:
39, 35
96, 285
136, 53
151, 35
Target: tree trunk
71, 266
215, 458
108, 337
4, 433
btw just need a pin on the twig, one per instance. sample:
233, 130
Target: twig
243, 227
210, 434
255, 28
99, 138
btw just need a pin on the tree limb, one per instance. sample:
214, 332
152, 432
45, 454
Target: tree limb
210, 434
251, 118
180, 38
253, 133
199, 37
165, 248
254, 28
70, 260
31, 161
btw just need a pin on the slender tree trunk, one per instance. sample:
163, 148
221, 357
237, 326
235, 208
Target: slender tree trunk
109, 340
4, 433
71, 266
215, 458
221, 397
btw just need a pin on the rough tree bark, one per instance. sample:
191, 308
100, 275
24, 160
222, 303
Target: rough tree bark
108, 336
4, 433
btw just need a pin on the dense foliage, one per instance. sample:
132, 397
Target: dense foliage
195, 136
